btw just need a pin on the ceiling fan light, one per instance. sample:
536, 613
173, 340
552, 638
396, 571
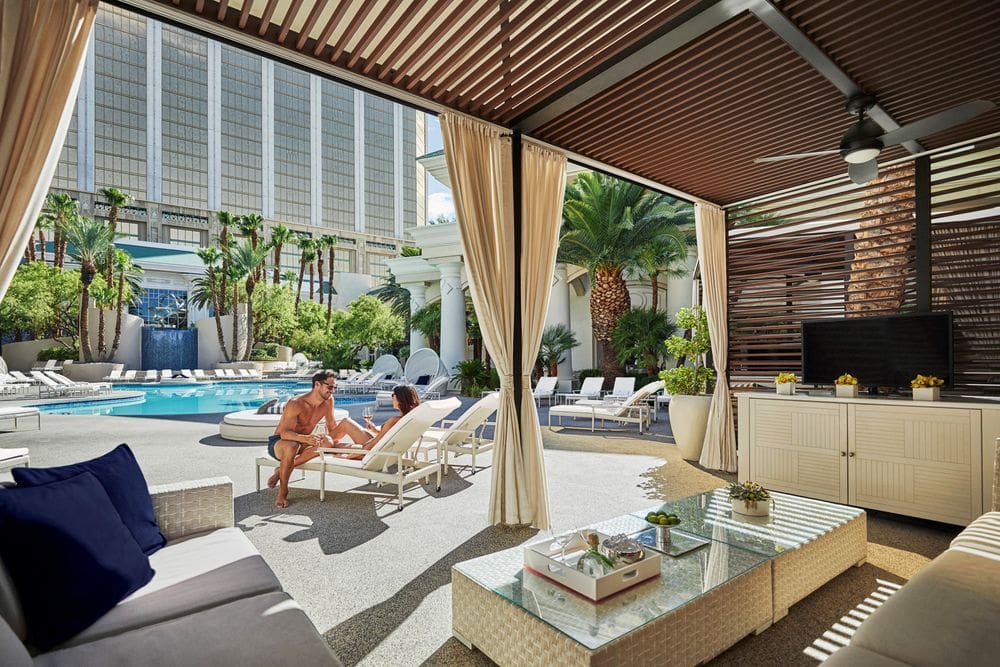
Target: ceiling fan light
861, 155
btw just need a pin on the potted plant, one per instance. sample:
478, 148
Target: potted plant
750, 499
688, 382
784, 383
846, 386
926, 388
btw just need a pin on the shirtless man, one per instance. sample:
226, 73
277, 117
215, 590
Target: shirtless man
293, 442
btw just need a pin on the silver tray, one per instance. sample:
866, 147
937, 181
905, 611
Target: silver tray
678, 545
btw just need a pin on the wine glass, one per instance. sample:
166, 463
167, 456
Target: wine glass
562, 539
367, 413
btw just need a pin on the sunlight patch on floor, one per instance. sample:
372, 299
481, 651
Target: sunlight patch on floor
840, 633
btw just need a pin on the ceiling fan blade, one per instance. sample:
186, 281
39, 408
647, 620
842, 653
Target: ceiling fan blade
794, 156
942, 120
864, 172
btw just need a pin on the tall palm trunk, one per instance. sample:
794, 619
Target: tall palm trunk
62, 251
654, 282
329, 292
29, 250
251, 285
319, 264
41, 242
609, 300
216, 306
276, 278
302, 273
119, 303
110, 259
224, 241
236, 321
101, 350
87, 272
312, 285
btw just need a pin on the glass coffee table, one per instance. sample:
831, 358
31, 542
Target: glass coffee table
744, 576
809, 542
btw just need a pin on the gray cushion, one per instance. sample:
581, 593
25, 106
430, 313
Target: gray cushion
941, 616
192, 574
855, 656
266, 630
12, 651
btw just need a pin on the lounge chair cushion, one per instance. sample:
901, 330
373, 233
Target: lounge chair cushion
229, 634
938, 618
192, 574
119, 473
69, 554
855, 656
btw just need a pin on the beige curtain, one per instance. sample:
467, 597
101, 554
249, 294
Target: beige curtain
479, 167
42, 48
718, 451
543, 173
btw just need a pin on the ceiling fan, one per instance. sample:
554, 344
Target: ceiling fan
865, 139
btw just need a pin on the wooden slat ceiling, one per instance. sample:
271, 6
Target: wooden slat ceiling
693, 120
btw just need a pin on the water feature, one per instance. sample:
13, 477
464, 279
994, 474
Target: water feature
169, 348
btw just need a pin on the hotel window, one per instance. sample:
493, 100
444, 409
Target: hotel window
131, 230
292, 173
379, 176
192, 238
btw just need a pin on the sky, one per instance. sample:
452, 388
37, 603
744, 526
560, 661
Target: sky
439, 200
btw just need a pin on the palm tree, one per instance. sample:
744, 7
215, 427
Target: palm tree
91, 241
640, 336
307, 254
64, 209
104, 298
557, 340
327, 242
125, 271
246, 259
320, 260
235, 275
226, 219
116, 199
604, 221
280, 236
207, 290
251, 225
664, 255
44, 221
394, 294
289, 276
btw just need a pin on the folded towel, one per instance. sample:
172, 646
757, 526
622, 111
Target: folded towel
266, 408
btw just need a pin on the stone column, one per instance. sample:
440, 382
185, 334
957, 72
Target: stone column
418, 299
452, 315
559, 314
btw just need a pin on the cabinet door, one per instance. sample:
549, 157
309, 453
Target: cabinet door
800, 447
918, 461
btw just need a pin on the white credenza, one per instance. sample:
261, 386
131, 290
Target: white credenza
932, 460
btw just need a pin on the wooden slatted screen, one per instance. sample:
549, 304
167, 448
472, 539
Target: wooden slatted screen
965, 259
826, 252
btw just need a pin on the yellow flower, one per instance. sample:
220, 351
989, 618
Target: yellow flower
846, 378
783, 378
925, 381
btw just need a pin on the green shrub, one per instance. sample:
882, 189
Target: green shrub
494, 382
472, 376
692, 377
262, 355
59, 353
590, 373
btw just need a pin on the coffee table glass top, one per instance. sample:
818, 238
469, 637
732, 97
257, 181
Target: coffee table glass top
594, 624
793, 520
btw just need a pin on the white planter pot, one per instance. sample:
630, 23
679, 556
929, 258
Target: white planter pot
688, 421
927, 394
785, 388
847, 391
763, 507
92, 372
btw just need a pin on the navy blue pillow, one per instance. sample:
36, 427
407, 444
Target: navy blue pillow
119, 473
424, 379
69, 554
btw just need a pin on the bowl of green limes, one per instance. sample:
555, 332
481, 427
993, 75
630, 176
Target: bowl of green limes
663, 522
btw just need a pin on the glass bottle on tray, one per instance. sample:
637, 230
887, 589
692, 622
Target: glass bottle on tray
593, 563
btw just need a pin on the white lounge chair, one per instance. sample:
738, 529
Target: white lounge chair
115, 376
633, 410
14, 458
150, 376
129, 376
15, 413
84, 387
464, 435
200, 376
244, 374
624, 387
426, 391
21, 377
546, 388
590, 389
50, 386
387, 462
186, 373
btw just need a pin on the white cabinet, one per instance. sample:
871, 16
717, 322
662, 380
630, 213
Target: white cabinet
922, 460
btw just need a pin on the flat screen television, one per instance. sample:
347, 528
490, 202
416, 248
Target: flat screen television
885, 351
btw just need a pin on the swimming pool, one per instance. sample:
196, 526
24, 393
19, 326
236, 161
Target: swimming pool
191, 399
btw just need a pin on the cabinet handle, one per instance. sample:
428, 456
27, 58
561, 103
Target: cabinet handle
843, 453
851, 455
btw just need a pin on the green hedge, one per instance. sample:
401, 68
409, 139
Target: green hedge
59, 353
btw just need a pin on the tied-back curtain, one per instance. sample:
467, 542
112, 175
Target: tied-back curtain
479, 167
543, 173
718, 451
42, 49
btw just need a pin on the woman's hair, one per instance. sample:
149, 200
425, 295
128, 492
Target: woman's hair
407, 397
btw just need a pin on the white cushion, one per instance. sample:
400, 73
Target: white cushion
251, 418
13, 453
17, 411
981, 537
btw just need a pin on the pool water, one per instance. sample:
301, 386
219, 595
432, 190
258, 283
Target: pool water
191, 399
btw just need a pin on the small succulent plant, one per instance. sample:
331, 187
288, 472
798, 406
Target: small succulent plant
749, 492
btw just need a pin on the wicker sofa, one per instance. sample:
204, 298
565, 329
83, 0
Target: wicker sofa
213, 599
947, 613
